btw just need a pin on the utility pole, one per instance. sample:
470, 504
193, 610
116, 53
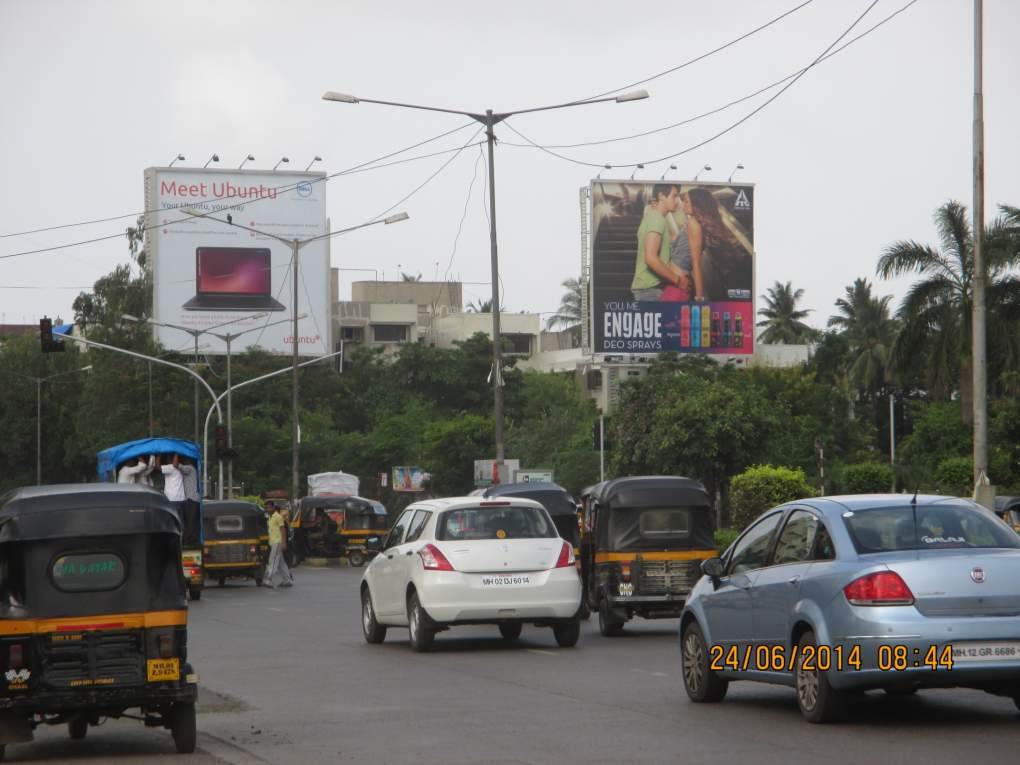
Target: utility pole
294, 425
497, 341
38, 431
979, 359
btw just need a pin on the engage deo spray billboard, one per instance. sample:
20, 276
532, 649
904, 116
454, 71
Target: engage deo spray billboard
672, 267
211, 275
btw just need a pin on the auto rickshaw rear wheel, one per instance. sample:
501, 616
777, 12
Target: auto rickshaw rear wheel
183, 727
510, 630
608, 625
221, 580
77, 728
194, 592
356, 558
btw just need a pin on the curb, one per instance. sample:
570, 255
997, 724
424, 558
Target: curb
326, 562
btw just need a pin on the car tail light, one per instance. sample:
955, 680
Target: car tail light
883, 588
166, 646
16, 656
566, 558
433, 560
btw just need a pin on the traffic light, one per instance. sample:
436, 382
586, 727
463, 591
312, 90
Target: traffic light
49, 345
221, 438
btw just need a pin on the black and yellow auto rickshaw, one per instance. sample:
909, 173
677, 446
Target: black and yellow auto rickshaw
642, 542
339, 526
93, 611
556, 500
236, 540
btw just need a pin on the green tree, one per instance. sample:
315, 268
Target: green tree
935, 314
870, 332
783, 322
568, 316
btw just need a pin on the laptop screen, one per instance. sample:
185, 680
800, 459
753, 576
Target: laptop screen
233, 270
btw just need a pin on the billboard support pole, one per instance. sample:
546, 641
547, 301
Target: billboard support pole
602, 447
295, 254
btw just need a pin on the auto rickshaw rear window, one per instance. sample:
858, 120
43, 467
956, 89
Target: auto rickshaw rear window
88, 572
665, 523
229, 523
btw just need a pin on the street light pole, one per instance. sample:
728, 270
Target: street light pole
489, 120
295, 427
38, 431
978, 330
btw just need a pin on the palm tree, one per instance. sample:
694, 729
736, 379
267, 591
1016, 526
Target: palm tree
406, 277
782, 319
480, 306
569, 313
936, 312
864, 320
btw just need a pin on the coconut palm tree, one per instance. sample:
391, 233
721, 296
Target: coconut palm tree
406, 277
935, 315
480, 306
569, 313
864, 320
783, 321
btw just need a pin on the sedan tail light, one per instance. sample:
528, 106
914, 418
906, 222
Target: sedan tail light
433, 560
883, 588
566, 558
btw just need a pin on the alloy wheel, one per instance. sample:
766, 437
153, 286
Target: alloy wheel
366, 613
694, 660
807, 687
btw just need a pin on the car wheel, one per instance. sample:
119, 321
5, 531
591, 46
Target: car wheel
510, 630
222, 580
373, 631
819, 702
422, 636
77, 728
356, 559
1016, 700
608, 626
183, 728
701, 683
567, 633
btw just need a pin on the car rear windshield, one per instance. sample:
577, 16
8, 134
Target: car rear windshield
939, 526
495, 523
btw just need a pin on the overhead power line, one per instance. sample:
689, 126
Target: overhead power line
717, 135
718, 109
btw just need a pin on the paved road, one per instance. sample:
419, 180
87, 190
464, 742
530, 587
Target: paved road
286, 678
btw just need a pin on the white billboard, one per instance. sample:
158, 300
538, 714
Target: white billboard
210, 274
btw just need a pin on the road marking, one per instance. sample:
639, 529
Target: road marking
281, 610
544, 653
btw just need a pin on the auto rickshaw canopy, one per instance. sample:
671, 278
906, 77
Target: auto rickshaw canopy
553, 497
111, 459
246, 519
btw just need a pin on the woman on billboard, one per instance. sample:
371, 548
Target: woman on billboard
720, 261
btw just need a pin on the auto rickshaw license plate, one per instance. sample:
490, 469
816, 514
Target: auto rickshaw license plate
158, 670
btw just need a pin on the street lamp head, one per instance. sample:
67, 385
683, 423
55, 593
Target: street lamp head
396, 218
213, 158
249, 158
703, 169
332, 95
178, 158
634, 95
315, 159
671, 167
636, 168
282, 160
738, 167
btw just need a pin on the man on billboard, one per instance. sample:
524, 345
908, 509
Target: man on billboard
654, 268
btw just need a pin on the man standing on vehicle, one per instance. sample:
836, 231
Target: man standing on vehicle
189, 521
173, 485
277, 545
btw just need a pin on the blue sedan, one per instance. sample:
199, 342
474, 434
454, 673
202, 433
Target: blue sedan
838, 595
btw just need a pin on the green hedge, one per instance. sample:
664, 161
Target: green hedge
867, 478
955, 476
762, 487
724, 538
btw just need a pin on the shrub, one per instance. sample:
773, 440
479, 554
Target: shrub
867, 478
955, 476
724, 538
762, 487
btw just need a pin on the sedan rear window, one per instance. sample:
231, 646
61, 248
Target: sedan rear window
938, 526
495, 523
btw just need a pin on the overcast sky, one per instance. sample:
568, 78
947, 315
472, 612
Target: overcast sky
857, 154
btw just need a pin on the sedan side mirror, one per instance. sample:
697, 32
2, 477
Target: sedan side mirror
713, 567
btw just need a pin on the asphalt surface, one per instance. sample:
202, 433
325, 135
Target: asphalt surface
287, 678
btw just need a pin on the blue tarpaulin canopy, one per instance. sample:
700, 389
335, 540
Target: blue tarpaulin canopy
111, 459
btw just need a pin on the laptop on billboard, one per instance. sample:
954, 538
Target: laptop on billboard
233, 279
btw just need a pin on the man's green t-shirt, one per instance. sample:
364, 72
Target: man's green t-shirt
653, 221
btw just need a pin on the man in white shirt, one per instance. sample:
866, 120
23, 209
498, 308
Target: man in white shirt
137, 473
189, 519
173, 485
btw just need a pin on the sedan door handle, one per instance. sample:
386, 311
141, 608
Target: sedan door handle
409, 552
390, 556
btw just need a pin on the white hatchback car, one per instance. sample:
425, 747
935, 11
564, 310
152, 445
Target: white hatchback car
469, 560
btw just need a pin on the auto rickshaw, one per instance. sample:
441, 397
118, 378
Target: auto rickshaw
236, 540
338, 526
110, 461
556, 500
93, 611
642, 542
1008, 508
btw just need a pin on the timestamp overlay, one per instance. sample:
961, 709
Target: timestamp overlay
890, 657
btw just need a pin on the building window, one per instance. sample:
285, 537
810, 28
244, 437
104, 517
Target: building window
351, 334
389, 333
517, 343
